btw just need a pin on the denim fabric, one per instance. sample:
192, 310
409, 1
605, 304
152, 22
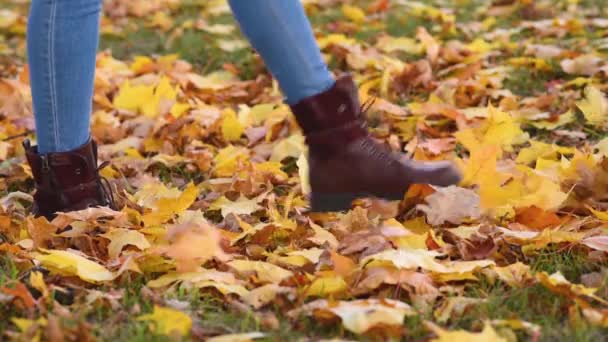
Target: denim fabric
281, 33
62, 42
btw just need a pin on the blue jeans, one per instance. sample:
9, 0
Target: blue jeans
62, 43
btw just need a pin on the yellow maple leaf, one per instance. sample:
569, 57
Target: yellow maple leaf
25, 324
594, 106
141, 63
241, 206
542, 150
602, 215
404, 44
407, 258
292, 146
499, 129
145, 99
214, 81
228, 159
166, 208
120, 237
37, 282
231, 127
297, 258
562, 120
488, 334
265, 272
360, 315
480, 165
557, 283
327, 285
71, 264
178, 109
133, 97
163, 92
353, 13
528, 189
166, 321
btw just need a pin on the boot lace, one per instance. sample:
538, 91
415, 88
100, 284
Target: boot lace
368, 145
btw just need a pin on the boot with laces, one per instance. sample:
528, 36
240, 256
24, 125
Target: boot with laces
67, 181
346, 163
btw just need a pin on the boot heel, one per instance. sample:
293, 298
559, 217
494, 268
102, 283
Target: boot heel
320, 202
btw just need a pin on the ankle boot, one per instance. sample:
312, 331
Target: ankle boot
346, 163
67, 181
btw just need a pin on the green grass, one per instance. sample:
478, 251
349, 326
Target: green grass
196, 46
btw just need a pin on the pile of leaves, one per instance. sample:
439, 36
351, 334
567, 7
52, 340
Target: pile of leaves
214, 238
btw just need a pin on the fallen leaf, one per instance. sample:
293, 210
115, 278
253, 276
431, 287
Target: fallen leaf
166, 321
71, 264
488, 334
120, 237
452, 204
264, 271
359, 316
244, 337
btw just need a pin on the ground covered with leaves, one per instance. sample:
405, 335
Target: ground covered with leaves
214, 239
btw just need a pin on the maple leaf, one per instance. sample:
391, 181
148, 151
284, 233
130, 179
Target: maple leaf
71, 264
192, 244
264, 271
451, 204
488, 334
120, 238
359, 316
168, 207
419, 258
166, 321
594, 106
327, 285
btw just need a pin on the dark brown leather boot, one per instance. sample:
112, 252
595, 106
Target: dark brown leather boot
346, 163
67, 181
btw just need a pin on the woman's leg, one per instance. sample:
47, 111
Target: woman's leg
345, 162
280, 31
62, 41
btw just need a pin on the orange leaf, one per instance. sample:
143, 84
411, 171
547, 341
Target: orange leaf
22, 293
537, 218
343, 266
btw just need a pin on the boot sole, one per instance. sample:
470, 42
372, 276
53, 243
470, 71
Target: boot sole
329, 202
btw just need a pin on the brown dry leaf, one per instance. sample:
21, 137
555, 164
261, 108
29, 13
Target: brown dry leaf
120, 238
192, 244
557, 283
452, 204
41, 231
454, 306
430, 44
343, 266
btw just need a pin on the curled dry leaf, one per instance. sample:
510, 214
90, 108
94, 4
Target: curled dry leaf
452, 204
359, 316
